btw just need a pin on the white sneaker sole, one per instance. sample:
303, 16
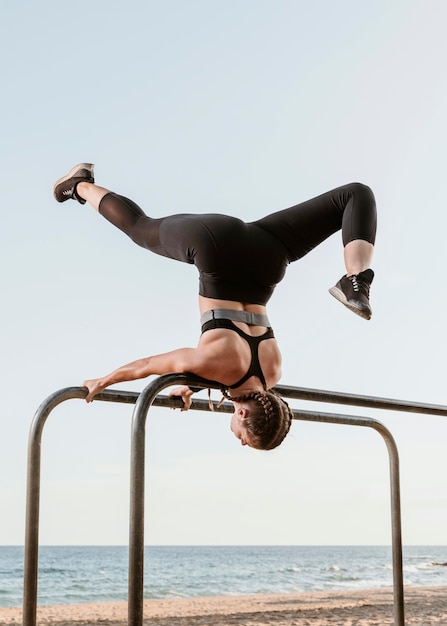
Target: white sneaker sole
355, 307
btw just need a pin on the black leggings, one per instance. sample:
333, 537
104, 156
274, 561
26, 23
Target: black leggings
245, 261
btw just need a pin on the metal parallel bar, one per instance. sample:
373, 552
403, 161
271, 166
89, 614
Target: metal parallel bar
33, 499
142, 402
396, 519
31, 565
295, 393
137, 482
136, 554
348, 399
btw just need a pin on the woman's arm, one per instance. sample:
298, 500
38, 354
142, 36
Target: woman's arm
182, 360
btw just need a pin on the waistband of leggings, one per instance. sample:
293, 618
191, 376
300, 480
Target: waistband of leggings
252, 319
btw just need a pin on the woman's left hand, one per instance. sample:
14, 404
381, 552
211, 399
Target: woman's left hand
185, 394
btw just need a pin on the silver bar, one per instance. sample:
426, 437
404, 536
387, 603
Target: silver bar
150, 396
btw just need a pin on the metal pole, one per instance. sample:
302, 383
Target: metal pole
396, 521
399, 605
33, 500
349, 399
137, 480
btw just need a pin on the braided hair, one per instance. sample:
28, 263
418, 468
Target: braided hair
269, 418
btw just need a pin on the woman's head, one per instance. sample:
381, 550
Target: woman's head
261, 419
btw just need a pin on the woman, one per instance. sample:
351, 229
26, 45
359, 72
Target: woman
239, 266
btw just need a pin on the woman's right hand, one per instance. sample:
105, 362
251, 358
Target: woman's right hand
94, 387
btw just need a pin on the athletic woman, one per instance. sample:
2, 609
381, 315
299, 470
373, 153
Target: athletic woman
239, 266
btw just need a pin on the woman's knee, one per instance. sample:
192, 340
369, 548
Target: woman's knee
360, 217
362, 191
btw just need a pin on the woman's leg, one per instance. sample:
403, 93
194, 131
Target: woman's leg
352, 210
358, 256
123, 213
179, 237
302, 227
91, 193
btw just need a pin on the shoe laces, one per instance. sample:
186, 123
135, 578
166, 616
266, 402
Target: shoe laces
359, 285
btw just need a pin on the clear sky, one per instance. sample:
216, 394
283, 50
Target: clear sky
242, 107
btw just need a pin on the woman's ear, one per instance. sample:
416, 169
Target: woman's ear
242, 412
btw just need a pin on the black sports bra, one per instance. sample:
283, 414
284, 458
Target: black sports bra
255, 366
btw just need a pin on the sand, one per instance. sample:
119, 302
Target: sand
423, 606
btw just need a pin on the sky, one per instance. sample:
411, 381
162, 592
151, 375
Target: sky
241, 107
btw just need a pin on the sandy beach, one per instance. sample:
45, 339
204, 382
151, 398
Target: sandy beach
423, 606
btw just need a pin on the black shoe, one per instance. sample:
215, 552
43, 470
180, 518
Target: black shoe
65, 187
353, 292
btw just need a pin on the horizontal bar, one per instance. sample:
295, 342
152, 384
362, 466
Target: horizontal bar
295, 393
334, 397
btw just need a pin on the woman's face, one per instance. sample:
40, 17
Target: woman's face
237, 423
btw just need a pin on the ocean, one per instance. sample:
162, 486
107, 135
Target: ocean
76, 574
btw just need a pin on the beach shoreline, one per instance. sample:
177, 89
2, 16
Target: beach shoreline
373, 607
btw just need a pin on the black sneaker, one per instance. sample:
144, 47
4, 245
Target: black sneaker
65, 187
353, 292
